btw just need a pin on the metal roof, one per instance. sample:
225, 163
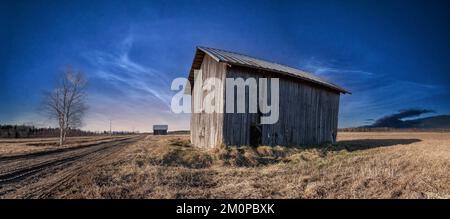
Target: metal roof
160, 127
234, 58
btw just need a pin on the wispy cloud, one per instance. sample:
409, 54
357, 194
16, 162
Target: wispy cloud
135, 94
325, 70
373, 93
119, 70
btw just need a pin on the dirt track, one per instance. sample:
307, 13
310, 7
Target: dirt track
36, 175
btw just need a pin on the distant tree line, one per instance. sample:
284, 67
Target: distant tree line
389, 129
24, 131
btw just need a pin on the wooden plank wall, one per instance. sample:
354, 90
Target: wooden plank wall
308, 115
206, 128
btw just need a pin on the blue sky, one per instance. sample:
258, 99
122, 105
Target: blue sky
392, 55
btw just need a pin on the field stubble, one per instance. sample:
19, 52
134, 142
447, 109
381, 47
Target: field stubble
361, 165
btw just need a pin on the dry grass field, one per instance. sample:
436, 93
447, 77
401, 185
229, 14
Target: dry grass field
361, 165
12, 147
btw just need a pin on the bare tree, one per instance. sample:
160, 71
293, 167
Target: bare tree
66, 102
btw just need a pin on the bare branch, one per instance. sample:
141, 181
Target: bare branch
66, 103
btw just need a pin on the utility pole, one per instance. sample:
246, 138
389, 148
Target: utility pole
110, 129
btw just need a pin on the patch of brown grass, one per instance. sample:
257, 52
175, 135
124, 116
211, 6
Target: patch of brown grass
176, 152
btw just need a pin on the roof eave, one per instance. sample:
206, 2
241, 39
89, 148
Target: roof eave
339, 89
210, 54
218, 59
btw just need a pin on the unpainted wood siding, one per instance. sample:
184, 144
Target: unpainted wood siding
308, 114
207, 128
160, 132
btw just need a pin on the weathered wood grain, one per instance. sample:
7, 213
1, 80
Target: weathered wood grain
308, 113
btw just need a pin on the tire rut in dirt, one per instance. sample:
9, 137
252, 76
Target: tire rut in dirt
64, 177
19, 176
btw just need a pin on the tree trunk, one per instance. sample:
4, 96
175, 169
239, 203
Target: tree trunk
61, 136
65, 134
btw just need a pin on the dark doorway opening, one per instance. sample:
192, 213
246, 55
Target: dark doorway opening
256, 130
255, 135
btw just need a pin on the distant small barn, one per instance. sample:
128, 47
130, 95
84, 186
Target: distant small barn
308, 104
160, 129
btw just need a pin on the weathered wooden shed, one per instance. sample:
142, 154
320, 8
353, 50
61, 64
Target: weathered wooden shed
308, 105
160, 129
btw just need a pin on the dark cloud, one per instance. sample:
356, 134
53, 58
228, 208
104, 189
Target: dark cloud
395, 120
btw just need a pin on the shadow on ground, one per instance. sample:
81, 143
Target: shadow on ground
363, 144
